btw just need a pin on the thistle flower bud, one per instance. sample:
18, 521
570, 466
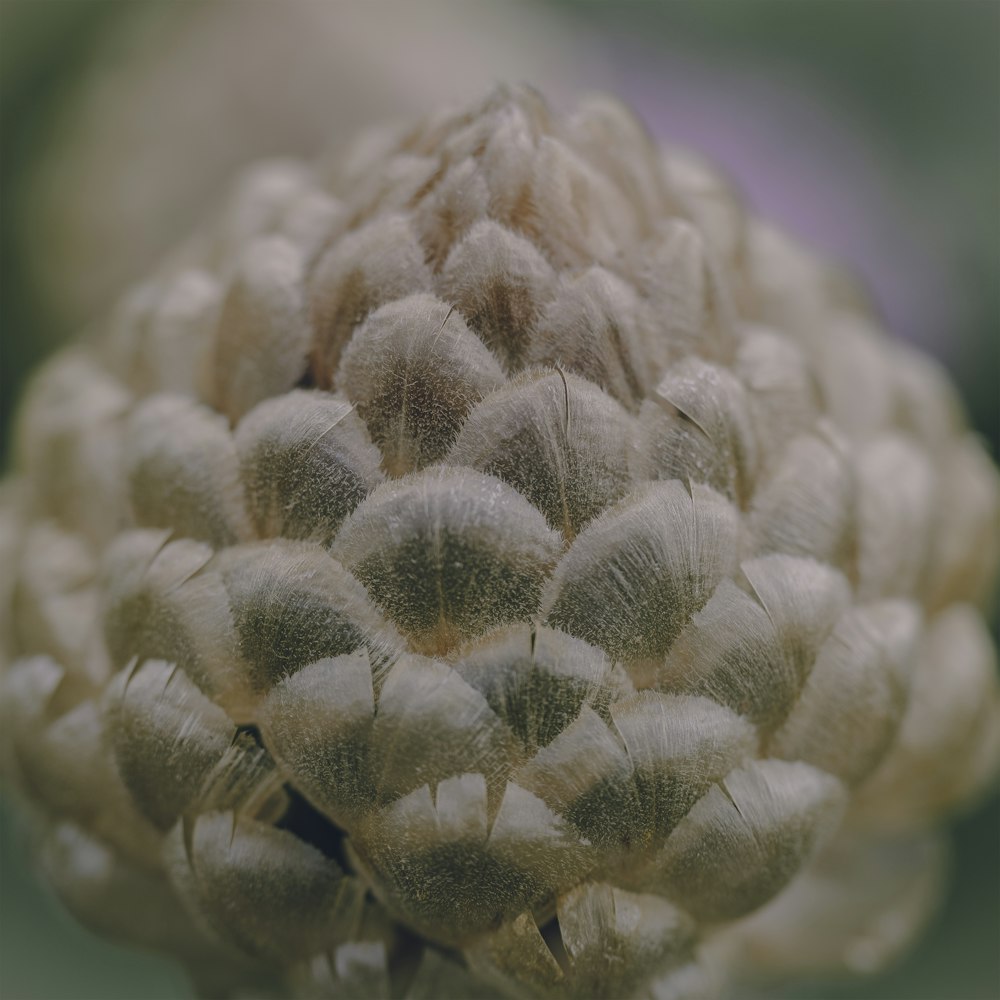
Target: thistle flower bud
493, 564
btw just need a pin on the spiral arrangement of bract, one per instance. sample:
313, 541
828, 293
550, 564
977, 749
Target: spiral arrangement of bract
491, 563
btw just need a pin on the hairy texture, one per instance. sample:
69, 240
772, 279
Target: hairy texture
500, 566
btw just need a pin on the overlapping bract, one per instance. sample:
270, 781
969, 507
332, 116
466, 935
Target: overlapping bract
494, 564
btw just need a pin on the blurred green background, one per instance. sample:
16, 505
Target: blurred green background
903, 95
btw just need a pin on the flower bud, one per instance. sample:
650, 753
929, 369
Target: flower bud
492, 563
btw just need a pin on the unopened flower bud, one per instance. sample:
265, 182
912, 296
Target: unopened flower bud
493, 564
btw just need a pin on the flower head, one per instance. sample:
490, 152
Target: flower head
491, 561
